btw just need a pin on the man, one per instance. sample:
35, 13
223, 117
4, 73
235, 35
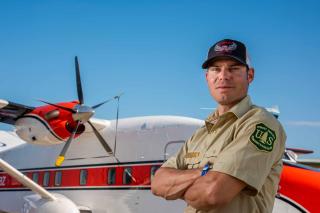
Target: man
233, 163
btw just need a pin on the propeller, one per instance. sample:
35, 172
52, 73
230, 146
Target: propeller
81, 114
100, 138
58, 106
60, 158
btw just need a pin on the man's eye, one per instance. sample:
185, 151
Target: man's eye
215, 69
234, 69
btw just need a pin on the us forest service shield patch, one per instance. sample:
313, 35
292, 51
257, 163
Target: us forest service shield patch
263, 138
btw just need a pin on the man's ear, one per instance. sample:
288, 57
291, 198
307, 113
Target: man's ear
206, 75
250, 75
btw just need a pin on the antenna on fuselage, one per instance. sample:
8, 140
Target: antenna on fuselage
117, 119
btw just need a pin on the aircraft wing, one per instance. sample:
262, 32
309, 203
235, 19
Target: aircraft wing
300, 151
310, 162
9, 140
10, 112
292, 154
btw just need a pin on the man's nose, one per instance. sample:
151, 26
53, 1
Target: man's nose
224, 73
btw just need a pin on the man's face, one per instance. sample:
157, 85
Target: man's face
228, 81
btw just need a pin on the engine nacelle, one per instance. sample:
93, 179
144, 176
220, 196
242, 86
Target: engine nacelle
36, 131
48, 125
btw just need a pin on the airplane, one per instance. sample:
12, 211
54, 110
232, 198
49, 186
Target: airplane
62, 153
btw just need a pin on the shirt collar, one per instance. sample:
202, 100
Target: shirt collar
242, 107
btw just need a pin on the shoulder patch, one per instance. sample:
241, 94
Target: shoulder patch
263, 138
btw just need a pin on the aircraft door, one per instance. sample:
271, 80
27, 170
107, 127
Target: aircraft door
171, 148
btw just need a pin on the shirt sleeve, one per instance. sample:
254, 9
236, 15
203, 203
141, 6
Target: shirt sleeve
257, 146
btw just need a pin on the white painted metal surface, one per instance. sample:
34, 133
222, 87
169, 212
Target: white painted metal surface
139, 139
26, 181
36, 204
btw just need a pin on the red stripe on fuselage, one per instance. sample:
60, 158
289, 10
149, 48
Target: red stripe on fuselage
97, 176
300, 185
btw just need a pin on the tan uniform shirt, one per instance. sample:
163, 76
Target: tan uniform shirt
247, 142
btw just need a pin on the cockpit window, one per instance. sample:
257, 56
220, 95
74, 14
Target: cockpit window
285, 156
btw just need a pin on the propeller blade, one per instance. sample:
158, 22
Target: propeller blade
115, 97
98, 105
60, 107
60, 158
100, 138
78, 78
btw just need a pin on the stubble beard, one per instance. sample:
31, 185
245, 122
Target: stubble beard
225, 100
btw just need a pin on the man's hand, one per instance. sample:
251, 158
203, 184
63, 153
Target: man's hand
171, 184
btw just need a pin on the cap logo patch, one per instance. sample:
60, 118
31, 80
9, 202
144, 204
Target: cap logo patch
225, 46
263, 138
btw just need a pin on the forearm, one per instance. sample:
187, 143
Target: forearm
213, 190
197, 195
172, 183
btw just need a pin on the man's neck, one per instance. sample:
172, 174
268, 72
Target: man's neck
223, 108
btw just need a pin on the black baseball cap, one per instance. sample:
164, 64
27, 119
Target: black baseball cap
227, 48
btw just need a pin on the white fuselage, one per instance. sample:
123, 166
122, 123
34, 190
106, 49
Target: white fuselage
142, 141
142, 145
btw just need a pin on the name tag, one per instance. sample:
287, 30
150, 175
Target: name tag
192, 154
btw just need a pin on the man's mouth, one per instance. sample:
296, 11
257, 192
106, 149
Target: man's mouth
224, 87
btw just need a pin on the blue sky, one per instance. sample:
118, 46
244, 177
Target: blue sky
153, 51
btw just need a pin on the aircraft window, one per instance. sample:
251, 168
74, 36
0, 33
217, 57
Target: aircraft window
153, 171
46, 178
127, 175
111, 176
28, 174
83, 176
171, 148
35, 177
57, 178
